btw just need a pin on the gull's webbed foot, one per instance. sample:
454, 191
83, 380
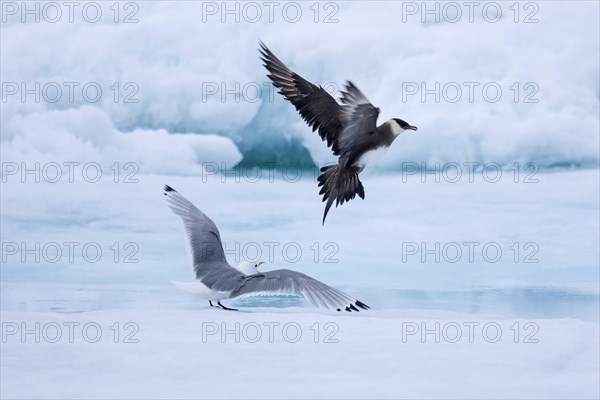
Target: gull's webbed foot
226, 308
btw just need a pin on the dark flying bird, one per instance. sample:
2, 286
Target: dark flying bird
350, 128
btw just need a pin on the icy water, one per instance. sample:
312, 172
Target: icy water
417, 241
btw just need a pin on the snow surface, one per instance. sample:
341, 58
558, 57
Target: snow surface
557, 296
172, 358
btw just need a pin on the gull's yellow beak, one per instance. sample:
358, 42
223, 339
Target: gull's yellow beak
261, 263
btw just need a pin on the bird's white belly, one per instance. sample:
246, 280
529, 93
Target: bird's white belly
371, 156
202, 290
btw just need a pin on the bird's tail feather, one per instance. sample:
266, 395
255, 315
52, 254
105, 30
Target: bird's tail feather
339, 184
195, 287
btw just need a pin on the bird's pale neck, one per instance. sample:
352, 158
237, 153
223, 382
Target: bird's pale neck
394, 127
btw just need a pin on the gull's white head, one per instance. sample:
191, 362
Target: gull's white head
398, 126
249, 268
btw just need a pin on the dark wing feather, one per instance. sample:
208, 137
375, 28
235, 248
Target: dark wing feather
361, 117
317, 107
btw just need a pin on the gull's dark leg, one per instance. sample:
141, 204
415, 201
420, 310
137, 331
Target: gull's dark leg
211, 304
226, 308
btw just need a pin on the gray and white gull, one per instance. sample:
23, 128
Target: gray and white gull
350, 128
216, 280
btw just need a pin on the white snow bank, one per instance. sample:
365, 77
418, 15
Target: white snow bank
198, 71
210, 353
86, 134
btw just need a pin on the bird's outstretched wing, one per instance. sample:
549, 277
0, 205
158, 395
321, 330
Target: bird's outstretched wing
361, 119
317, 107
287, 282
338, 124
202, 233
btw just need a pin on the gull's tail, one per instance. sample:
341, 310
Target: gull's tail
195, 287
340, 185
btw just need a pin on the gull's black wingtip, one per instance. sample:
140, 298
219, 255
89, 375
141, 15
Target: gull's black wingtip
169, 189
362, 305
352, 307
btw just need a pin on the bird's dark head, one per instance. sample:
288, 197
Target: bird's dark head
402, 125
397, 126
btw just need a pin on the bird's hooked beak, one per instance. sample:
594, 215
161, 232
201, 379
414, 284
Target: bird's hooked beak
413, 128
260, 263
